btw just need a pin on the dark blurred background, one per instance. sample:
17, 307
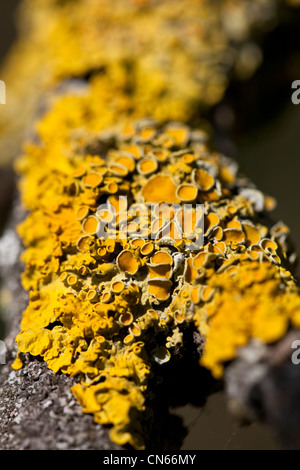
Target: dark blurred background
7, 34
257, 124
7, 25
263, 124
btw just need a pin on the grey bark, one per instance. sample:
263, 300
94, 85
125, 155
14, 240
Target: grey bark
263, 384
37, 408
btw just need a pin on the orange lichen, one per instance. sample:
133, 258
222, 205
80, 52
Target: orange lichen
204, 180
127, 262
187, 192
250, 302
109, 275
152, 191
107, 281
120, 49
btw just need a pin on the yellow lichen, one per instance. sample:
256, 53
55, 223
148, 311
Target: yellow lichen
142, 58
101, 275
113, 281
